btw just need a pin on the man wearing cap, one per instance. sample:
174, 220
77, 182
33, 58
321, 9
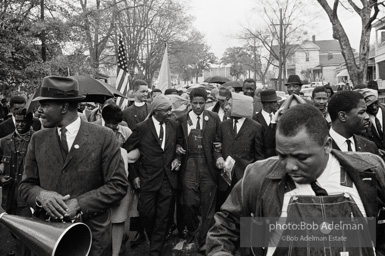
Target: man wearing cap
73, 169
156, 178
218, 108
12, 152
347, 111
376, 111
242, 141
138, 111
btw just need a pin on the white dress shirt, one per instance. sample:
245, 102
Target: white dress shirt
72, 131
157, 128
194, 120
266, 116
239, 123
341, 141
139, 104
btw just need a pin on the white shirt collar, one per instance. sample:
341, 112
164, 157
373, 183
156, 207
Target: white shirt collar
266, 116
139, 104
341, 141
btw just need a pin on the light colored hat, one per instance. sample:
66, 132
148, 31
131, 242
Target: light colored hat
242, 105
370, 95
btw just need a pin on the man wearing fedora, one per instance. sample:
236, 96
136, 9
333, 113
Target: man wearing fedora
269, 100
73, 169
293, 85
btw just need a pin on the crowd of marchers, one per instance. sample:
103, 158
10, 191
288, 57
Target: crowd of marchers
193, 164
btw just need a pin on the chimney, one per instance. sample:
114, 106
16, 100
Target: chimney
313, 38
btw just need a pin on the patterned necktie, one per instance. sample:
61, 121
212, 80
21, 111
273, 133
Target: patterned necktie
63, 140
235, 127
198, 127
349, 142
161, 132
378, 126
317, 189
271, 116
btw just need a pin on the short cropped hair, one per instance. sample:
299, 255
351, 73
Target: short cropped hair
326, 86
304, 116
343, 101
138, 83
112, 113
17, 100
198, 92
373, 85
170, 91
317, 90
249, 80
23, 112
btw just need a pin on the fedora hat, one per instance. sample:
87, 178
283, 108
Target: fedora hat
59, 88
269, 95
293, 79
223, 93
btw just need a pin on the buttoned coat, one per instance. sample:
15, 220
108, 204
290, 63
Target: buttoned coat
93, 173
261, 191
245, 148
154, 162
210, 128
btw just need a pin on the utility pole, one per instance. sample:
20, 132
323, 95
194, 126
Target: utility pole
42, 36
282, 53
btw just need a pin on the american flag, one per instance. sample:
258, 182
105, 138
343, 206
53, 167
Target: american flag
123, 75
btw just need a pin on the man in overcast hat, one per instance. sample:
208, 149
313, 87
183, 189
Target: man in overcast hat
293, 85
157, 175
223, 93
73, 169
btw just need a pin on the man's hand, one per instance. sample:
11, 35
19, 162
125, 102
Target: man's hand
180, 150
136, 183
73, 208
220, 163
4, 180
53, 203
175, 165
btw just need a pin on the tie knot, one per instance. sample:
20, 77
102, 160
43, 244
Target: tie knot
160, 123
63, 130
235, 120
198, 117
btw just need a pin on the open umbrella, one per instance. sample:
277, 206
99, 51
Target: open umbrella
234, 84
96, 90
216, 79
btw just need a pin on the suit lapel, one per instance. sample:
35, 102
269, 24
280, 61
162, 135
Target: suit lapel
53, 143
261, 120
185, 129
151, 125
80, 139
243, 127
168, 135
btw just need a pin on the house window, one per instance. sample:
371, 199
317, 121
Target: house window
330, 56
307, 56
382, 36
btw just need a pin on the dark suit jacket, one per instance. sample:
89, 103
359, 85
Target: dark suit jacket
130, 115
245, 148
93, 173
259, 118
7, 127
154, 163
372, 132
362, 145
210, 127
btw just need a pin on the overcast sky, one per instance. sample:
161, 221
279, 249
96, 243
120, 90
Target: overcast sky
220, 20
